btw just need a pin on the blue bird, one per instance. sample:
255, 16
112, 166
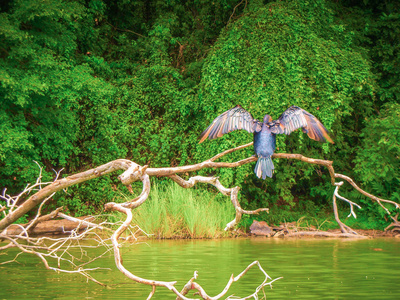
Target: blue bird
265, 132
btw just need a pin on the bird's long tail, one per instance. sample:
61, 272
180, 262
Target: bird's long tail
264, 167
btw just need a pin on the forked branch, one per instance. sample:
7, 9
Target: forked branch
13, 209
132, 172
329, 165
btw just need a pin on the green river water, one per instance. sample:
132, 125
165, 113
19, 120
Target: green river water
311, 269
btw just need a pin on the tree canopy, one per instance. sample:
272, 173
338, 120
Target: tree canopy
86, 82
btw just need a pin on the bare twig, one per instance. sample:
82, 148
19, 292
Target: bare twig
83, 222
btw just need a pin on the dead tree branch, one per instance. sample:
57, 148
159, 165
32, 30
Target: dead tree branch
233, 192
59, 249
125, 208
329, 165
55, 186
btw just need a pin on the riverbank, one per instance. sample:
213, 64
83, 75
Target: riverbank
285, 230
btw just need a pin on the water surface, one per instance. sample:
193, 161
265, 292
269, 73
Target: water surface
311, 269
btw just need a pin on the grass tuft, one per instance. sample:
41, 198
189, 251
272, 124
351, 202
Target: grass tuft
174, 212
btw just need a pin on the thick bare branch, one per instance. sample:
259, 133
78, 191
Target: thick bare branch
117, 254
191, 168
58, 249
133, 172
326, 163
60, 184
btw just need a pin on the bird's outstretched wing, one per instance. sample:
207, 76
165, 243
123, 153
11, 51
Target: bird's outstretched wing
233, 119
294, 118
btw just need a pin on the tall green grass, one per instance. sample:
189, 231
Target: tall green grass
175, 212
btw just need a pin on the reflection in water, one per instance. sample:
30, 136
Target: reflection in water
311, 269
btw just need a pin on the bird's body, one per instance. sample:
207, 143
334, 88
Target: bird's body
265, 132
264, 147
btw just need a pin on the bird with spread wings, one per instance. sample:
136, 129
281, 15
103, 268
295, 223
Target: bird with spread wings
265, 132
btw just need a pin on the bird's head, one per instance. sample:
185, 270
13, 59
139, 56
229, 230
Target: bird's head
267, 119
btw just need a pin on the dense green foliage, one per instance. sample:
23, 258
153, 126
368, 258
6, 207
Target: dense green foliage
86, 82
